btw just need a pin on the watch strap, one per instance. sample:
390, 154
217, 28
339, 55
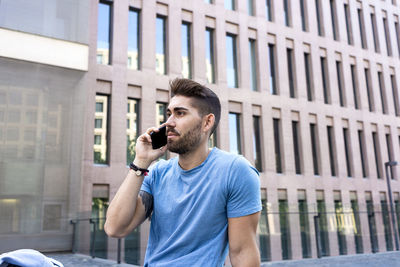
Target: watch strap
144, 172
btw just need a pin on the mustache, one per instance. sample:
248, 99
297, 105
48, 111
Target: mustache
169, 130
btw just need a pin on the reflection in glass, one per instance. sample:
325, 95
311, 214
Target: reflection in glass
161, 45
257, 143
304, 228
210, 66
314, 147
340, 227
212, 141
268, 9
357, 226
372, 226
371, 103
361, 143
253, 65
250, 8
296, 146
234, 133
303, 15
101, 142
348, 24
272, 76
104, 33
230, 4
291, 75
362, 28
354, 85
386, 224
231, 61
286, 14
264, 232
339, 73
377, 154
186, 51
132, 247
332, 151
307, 67
133, 39
285, 229
132, 129
319, 20
346, 140
382, 92
325, 79
99, 210
277, 145
395, 94
323, 227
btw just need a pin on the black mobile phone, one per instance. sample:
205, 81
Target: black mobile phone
159, 139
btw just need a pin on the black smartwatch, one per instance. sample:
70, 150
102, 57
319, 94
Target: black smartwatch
138, 171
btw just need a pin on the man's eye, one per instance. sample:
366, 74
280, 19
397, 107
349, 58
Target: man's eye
180, 113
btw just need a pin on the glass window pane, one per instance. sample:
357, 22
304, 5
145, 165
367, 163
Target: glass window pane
210, 69
161, 43
103, 33
186, 51
133, 40
100, 147
257, 143
132, 130
253, 66
272, 76
230, 4
234, 133
231, 58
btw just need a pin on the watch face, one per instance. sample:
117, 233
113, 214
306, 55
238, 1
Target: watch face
138, 173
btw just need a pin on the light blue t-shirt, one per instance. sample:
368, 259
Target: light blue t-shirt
191, 208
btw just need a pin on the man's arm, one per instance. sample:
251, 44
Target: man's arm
127, 210
243, 249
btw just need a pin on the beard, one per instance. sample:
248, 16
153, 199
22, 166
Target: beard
186, 142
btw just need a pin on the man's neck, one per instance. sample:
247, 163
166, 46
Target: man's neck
194, 158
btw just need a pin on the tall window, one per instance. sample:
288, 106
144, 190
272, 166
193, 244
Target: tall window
304, 224
387, 38
323, 226
257, 143
347, 150
332, 150
356, 223
314, 147
386, 222
100, 147
339, 73
132, 129
268, 10
161, 45
104, 32
264, 234
286, 13
375, 33
371, 103
354, 83
304, 15
250, 7
296, 146
285, 229
210, 65
230, 4
308, 70
291, 72
395, 93
362, 28
318, 12
382, 92
272, 70
186, 50
231, 58
397, 29
334, 20
377, 154
349, 29
234, 133
390, 153
361, 143
253, 64
371, 223
340, 226
325, 81
134, 39
277, 145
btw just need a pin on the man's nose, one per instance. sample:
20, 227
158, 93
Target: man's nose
170, 121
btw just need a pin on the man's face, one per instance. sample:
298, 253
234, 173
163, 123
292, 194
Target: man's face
183, 125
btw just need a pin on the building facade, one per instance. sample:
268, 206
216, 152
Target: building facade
309, 94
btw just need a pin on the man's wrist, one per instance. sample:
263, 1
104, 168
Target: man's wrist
142, 164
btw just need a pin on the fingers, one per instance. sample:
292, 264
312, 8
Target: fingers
146, 136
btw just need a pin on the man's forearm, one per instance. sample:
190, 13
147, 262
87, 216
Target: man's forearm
246, 257
122, 208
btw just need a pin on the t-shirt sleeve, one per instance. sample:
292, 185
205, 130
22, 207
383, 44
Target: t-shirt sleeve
243, 189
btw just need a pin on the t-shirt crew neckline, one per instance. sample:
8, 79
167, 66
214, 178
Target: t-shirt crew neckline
197, 168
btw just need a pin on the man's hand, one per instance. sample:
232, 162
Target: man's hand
145, 154
243, 250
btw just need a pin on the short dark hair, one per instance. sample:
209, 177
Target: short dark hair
206, 101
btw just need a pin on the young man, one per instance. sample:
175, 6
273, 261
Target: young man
198, 202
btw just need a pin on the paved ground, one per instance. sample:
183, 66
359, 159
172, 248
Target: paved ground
384, 259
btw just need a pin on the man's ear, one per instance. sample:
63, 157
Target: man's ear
208, 122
